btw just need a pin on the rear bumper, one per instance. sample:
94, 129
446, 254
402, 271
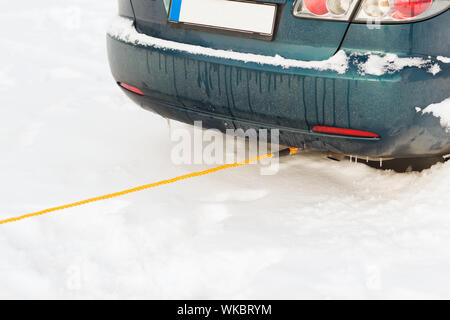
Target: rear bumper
380, 94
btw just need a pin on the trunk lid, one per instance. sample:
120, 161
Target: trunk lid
294, 38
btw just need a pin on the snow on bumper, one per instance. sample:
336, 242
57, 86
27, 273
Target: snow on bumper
367, 63
440, 110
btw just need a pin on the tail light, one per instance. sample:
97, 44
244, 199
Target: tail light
373, 11
325, 9
404, 9
317, 7
398, 11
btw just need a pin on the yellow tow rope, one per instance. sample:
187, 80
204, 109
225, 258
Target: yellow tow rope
144, 187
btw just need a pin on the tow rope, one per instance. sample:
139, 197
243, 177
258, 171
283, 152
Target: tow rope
284, 152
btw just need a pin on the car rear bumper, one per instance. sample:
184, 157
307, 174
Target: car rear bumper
357, 90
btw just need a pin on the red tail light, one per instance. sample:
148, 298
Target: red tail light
345, 132
404, 9
400, 11
370, 11
325, 9
131, 88
318, 7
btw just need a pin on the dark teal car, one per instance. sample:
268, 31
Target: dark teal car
353, 77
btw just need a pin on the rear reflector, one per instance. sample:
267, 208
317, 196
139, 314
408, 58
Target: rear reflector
345, 132
131, 88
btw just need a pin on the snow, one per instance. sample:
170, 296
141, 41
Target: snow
443, 59
123, 29
317, 229
434, 69
375, 64
442, 111
380, 64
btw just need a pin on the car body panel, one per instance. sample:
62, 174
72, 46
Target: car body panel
429, 38
233, 93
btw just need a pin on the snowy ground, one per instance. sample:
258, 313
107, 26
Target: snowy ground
318, 229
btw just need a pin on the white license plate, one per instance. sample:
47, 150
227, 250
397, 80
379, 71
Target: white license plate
231, 15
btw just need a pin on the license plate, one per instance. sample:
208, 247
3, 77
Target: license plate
228, 15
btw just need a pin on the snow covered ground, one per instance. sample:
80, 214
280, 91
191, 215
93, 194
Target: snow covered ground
317, 229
